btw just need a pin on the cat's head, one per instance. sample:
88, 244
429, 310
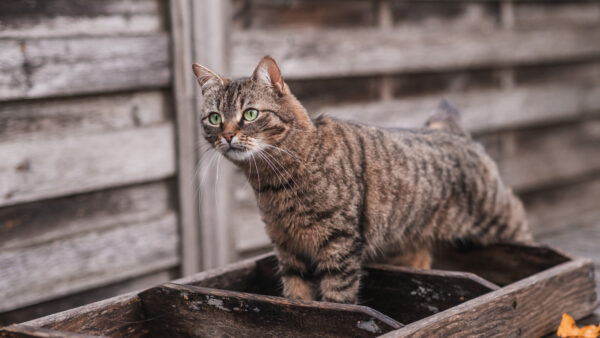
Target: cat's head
242, 117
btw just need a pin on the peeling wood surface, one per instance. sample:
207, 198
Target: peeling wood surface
79, 262
529, 307
408, 295
57, 67
515, 309
193, 311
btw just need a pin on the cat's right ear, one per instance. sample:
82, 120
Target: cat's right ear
206, 77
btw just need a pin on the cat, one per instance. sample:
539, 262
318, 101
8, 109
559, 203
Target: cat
335, 194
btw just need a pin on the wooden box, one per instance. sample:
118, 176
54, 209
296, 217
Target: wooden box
504, 290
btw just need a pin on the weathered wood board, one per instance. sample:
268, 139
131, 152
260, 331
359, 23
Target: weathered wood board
59, 18
34, 170
542, 284
57, 67
35, 273
309, 53
40, 119
176, 310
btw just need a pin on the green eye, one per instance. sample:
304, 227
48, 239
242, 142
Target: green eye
250, 114
214, 118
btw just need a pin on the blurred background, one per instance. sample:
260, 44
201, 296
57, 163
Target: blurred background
100, 157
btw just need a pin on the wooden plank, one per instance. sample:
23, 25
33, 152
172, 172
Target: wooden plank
118, 317
15, 331
530, 308
501, 264
482, 110
563, 208
568, 13
531, 159
82, 115
408, 295
85, 297
184, 89
13, 79
43, 221
59, 18
71, 66
325, 13
580, 241
31, 170
210, 20
194, 311
34, 274
314, 53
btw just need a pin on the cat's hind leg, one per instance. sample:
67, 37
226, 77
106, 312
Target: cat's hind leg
418, 258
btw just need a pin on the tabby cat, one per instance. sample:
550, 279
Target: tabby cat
336, 194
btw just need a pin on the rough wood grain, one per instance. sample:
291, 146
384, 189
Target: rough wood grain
563, 208
51, 67
516, 310
36, 119
15, 331
408, 295
531, 159
210, 24
317, 53
184, 89
43, 221
119, 316
482, 110
569, 13
193, 311
86, 297
580, 241
53, 269
59, 18
31, 170
500, 264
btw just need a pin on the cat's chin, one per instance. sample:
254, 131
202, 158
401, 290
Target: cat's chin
238, 155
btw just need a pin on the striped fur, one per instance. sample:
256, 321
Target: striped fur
336, 194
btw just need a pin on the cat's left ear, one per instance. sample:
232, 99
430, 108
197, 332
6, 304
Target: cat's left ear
206, 77
267, 72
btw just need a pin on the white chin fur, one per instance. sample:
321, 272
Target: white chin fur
238, 155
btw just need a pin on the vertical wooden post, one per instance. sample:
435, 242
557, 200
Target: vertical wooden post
385, 21
210, 22
507, 21
183, 92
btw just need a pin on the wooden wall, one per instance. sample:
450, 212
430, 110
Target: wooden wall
90, 179
88, 201
525, 74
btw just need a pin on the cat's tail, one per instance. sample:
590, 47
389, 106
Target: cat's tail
446, 117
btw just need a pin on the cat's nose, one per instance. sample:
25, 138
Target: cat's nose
228, 135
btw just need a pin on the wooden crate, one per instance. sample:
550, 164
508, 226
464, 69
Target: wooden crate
503, 290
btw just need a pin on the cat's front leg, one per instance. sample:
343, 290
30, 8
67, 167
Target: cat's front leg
339, 270
294, 275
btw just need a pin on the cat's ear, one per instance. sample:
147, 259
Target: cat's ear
267, 72
206, 77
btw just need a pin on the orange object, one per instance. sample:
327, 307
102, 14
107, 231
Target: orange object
568, 328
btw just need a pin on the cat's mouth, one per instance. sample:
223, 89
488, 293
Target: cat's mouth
234, 149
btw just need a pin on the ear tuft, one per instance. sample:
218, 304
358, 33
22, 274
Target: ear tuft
206, 77
267, 72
